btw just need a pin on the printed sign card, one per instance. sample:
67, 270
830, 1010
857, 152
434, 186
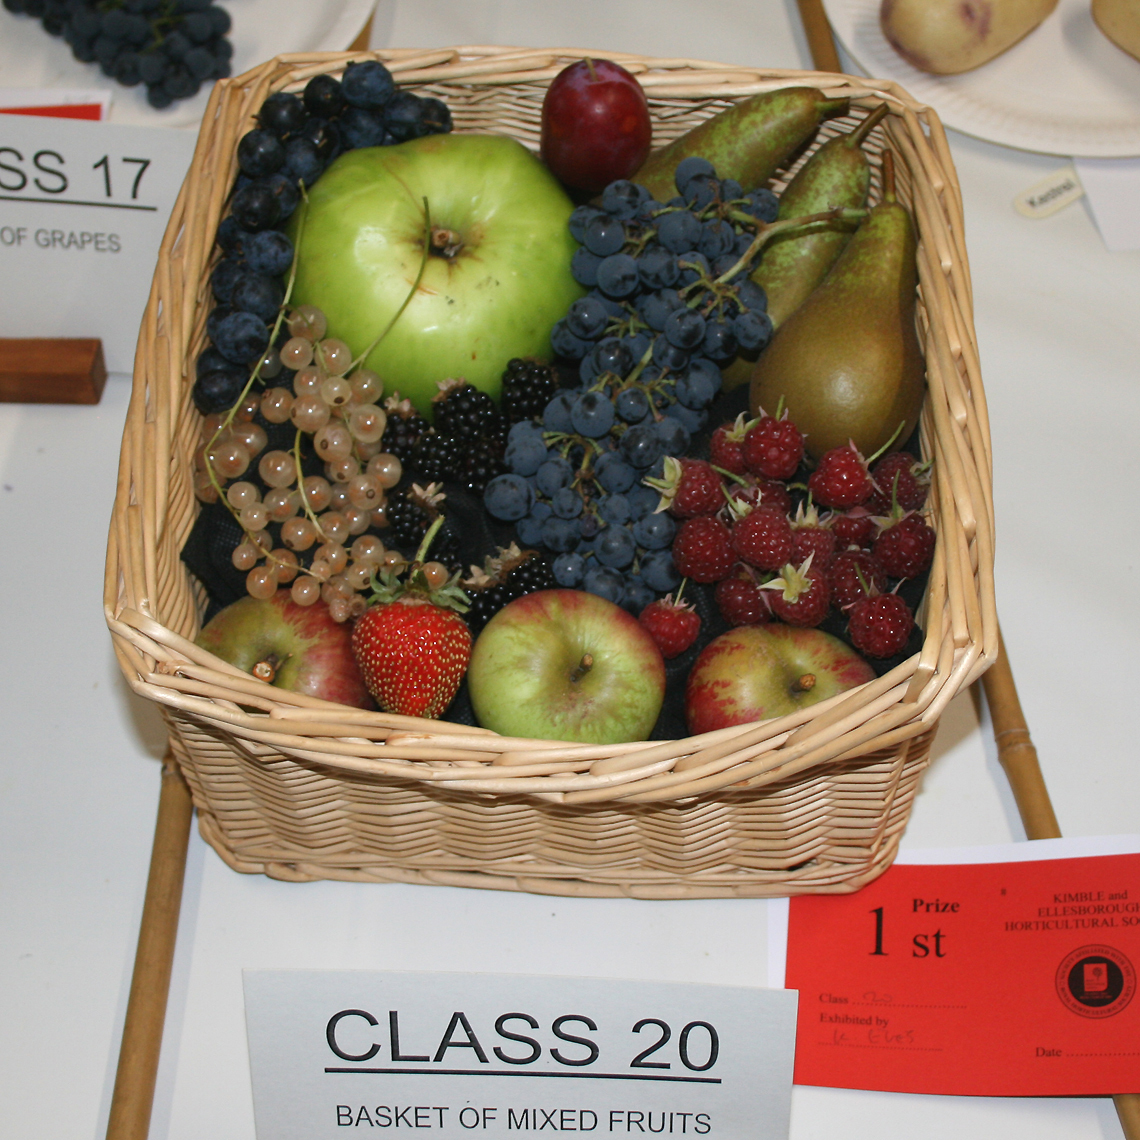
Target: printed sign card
987, 979
83, 207
344, 1053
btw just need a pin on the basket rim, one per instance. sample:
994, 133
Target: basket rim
168, 668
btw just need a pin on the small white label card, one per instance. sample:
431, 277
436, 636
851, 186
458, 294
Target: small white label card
83, 207
352, 1053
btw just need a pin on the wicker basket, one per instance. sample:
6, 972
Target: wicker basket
301, 789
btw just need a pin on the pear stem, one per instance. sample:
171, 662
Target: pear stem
888, 161
582, 668
859, 135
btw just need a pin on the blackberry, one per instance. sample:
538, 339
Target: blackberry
528, 386
404, 430
466, 412
438, 458
484, 460
506, 576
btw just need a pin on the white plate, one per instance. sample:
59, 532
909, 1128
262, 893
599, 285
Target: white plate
1064, 89
29, 57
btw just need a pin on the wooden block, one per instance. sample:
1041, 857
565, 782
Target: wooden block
51, 371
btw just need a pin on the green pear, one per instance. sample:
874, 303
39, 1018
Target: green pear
748, 141
847, 362
1120, 21
836, 176
949, 36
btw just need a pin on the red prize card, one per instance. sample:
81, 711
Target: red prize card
992, 979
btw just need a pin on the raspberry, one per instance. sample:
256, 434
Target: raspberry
761, 491
800, 596
773, 447
855, 528
880, 625
741, 601
763, 538
689, 487
906, 548
901, 475
725, 446
843, 576
673, 625
841, 480
702, 549
811, 535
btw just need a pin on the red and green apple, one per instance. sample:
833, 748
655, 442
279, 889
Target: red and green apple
762, 671
294, 647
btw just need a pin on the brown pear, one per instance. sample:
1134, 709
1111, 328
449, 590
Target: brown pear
847, 362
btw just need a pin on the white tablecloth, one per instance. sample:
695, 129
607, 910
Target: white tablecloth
1056, 319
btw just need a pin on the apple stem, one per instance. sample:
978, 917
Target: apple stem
592, 70
805, 683
584, 666
266, 669
445, 243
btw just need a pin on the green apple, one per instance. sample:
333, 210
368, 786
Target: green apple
762, 671
496, 278
566, 665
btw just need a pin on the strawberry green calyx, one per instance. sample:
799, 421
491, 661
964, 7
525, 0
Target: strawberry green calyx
416, 587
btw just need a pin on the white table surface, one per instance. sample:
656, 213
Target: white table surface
1057, 325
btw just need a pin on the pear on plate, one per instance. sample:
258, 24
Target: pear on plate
949, 36
1120, 21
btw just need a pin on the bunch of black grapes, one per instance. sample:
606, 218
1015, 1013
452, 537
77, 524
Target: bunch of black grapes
670, 302
172, 46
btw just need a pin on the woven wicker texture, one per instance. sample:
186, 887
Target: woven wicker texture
301, 789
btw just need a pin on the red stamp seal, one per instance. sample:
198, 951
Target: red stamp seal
1095, 981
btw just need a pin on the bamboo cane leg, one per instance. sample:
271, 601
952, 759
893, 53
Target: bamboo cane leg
146, 1007
821, 44
1018, 758
1016, 752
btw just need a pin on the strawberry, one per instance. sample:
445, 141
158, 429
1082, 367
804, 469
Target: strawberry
850, 573
702, 549
726, 444
855, 527
902, 476
741, 601
763, 538
880, 624
689, 487
904, 547
841, 480
800, 596
411, 645
671, 623
773, 447
812, 535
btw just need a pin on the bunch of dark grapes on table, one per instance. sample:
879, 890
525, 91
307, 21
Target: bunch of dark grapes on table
292, 442
670, 302
170, 46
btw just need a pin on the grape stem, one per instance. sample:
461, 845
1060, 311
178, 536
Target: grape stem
772, 229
